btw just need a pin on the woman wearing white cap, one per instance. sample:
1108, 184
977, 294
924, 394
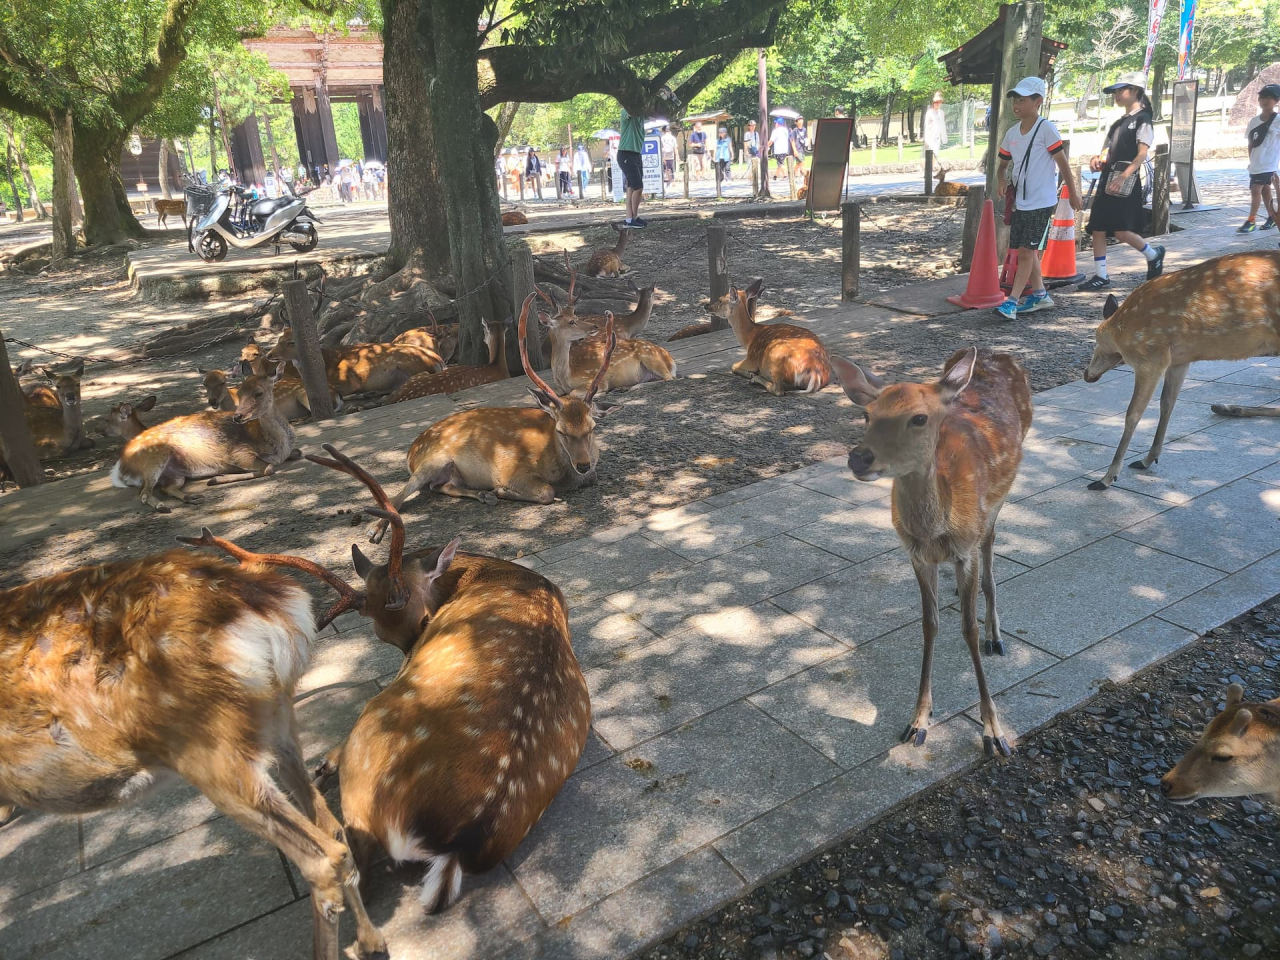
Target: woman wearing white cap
1117, 204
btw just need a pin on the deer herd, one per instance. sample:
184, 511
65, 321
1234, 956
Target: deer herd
123, 673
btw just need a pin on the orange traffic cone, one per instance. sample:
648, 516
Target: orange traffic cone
983, 288
1008, 269
1058, 265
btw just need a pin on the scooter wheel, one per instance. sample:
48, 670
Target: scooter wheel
211, 246
311, 233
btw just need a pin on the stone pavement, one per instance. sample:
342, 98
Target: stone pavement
751, 656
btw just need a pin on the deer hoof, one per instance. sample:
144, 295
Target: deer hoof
915, 735
991, 744
488, 498
994, 647
1142, 464
325, 769
1098, 485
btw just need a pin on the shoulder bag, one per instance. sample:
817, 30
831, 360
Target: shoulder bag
1011, 191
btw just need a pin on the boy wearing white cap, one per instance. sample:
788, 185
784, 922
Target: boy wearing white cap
1032, 154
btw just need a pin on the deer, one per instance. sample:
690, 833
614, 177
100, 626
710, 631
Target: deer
252, 354
54, 412
122, 675
459, 756
365, 367
952, 449
211, 445
608, 263
289, 393
781, 356
719, 311
453, 379
513, 218
122, 420
1238, 755
442, 340
525, 454
1226, 308
628, 326
944, 189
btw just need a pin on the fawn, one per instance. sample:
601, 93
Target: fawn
365, 367
511, 453
211, 444
1237, 756
122, 419
1227, 308
608, 263
781, 356
453, 379
953, 449
289, 393
122, 674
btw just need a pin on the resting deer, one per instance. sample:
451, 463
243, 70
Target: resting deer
122, 419
608, 263
944, 189
54, 412
1237, 756
119, 676
454, 379
1227, 308
365, 367
441, 340
289, 393
953, 449
212, 444
780, 356
456, 758
525, 454
628, 326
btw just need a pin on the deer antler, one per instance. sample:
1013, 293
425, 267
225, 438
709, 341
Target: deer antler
611, 341
524, 354
573, 279
549, 297
351, 599
388, 514
435, 327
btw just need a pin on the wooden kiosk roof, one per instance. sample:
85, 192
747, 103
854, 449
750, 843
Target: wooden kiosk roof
974, 62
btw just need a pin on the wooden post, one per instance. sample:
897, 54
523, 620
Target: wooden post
762, 121
684, 153
928, 173
719, 195
717, 267
310, 358
899, 148
1160, 191
521, 287
20, 452
972, 217
851, 230
791, 177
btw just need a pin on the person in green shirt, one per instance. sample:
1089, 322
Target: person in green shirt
629, 148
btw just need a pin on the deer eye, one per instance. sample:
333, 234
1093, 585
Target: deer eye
920, 419
1222, 759
866, 417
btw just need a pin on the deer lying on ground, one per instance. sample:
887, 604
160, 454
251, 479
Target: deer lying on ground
608, 263
289, 393
780, 356
119, 676
944, 189
454, 761
719, 310
54, 412
1237, 756
513, 218
628, 326
953, 449
525, 454
211, 445
441, 340
1227, 308
365, 367
453, 379
122, 419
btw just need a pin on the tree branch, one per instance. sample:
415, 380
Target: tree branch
734, 45
137, 98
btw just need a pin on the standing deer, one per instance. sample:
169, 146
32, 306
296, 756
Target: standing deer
1238, 755
454, 761
1227, 308
780, 356
953, 449
211, 444
511, 453
454, 379
365, 367
608, 263
119, 675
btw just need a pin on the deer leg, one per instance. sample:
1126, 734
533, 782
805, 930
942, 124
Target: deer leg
927, 577
448, 481
1173, 378
993, 737
416, 482
741, 368
527, 490
1235, 410
260, 469
1144, 385
994, 644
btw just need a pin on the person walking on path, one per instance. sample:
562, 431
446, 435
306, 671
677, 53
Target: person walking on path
724, 154
751, 147
1117, 204
668, 155
698, 150
799, 140
629, 148
564, 174
935, 126
1029, 153
533, 170
1263, 134
779, 146
582, 166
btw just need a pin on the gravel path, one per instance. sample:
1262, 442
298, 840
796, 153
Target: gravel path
1066, 850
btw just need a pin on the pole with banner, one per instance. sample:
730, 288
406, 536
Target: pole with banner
1186, 24
1155, 14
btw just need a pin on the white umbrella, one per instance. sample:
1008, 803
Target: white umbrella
606, 134
655, 123
786, 112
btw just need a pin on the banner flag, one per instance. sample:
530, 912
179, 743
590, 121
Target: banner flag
1185, 25
1155, 14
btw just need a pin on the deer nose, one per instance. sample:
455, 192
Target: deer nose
1166, 786
860, 459
583, 468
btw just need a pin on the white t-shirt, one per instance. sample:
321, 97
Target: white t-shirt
668, 144
1265, 157
1038, 183
935, 129
780, 142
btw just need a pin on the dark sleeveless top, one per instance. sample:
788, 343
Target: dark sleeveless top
1123, 137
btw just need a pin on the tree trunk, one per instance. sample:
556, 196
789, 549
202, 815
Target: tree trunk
163, 171
762, 121
415, 200
1082, 105
66, 203
222, 126
107, 216
213, 151
271, 143
887, 117
506, 117
911, 123
8, 172
1157, 92
27, 180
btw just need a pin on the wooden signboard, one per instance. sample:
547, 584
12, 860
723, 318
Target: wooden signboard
1182, 136
830, 161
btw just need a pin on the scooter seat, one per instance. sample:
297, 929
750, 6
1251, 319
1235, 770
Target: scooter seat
265, 208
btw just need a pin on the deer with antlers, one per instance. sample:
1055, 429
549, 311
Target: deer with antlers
525, 454
453, 379
365, 367
608, 263
459, 756
120, 675
781, 356
212, 445
953, 449
1227, 308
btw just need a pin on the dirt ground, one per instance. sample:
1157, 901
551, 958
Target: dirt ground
1065, 850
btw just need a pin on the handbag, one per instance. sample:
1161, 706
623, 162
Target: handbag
1011, 191
1122, 187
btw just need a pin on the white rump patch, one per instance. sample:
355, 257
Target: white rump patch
443, 882
261, 649
404, 847
119, 480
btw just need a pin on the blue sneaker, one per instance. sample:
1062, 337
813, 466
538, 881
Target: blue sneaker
1008, 309
1034, 301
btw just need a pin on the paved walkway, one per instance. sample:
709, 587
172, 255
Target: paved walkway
752, 658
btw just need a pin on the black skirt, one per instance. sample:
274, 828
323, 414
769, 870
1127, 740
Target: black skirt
1109, 213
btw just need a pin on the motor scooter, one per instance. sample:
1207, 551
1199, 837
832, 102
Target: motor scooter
238, 218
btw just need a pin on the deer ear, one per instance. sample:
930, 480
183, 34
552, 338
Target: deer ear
274, 374
957, 377
1110, 307
755, 288
447, 553
362, 563
48, 373
602, 408
245, 368
544, 400
1235, 693
78, 370
857, 384
146, 404
1240, 722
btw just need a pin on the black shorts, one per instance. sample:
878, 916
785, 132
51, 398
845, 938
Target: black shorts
1260, 179
632, 172
1027, 227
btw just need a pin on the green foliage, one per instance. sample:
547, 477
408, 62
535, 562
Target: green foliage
346, 124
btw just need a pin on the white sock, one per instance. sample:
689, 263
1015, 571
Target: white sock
1100, 267
1149, 252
